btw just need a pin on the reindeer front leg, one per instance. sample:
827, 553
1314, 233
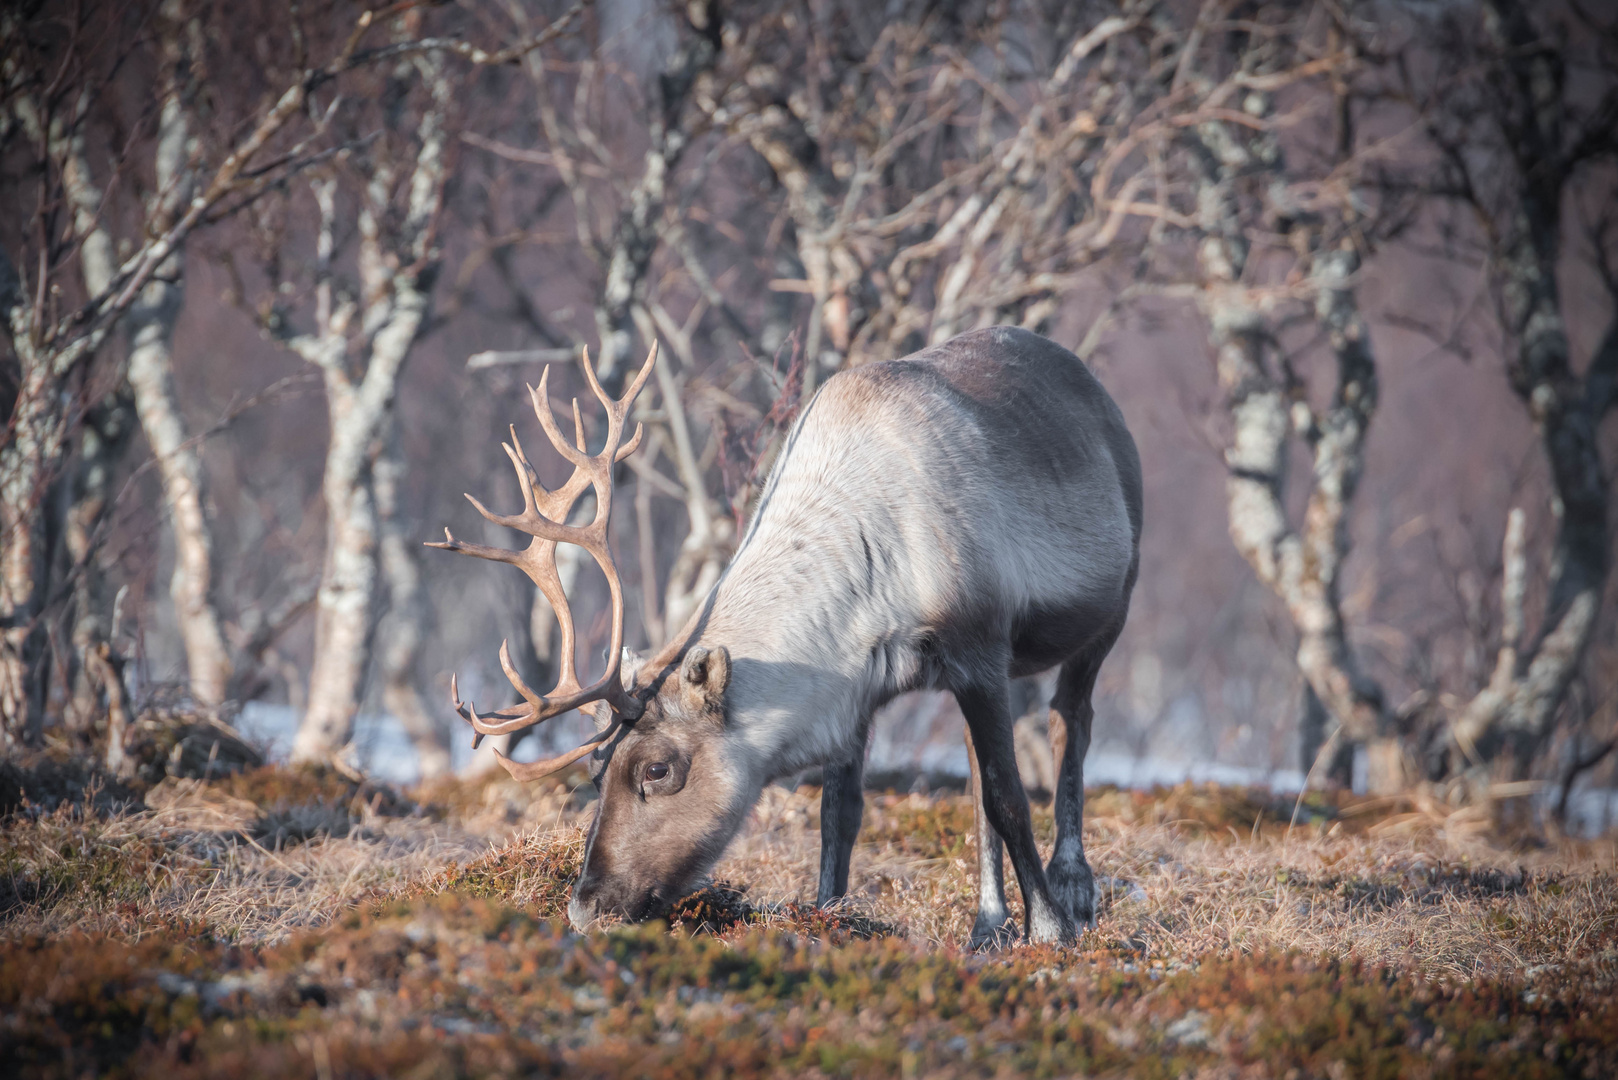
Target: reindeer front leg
842, 805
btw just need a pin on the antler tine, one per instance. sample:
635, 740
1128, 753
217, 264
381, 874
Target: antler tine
477, 551
528, 521
568, 677
640, 377
544, 517
537, 709
554, 505
527, 475
632, 445
595, 384
524, 771
540, 396
617, 410
503, 722
462, 710
515, 678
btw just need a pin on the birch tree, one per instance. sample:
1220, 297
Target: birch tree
151, 366
624, 228
938, 179
379, 325
361, 336
1274, 242
70, 287
404, 627
859, 124
1241, 188
1523, 145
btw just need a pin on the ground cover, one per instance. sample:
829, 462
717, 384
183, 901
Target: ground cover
289, 923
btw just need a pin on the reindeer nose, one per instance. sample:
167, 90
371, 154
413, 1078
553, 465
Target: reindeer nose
582, 909
580, 915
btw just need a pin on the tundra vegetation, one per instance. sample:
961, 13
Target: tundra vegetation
272, 275
288, 921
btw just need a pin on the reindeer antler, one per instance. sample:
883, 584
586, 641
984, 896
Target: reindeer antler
544, 517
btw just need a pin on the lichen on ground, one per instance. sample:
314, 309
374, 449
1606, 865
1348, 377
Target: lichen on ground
428, 939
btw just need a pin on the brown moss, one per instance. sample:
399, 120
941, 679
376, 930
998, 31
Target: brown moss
1212, 807
1459, 960
458, 798
474, 988
723, 909
919, 826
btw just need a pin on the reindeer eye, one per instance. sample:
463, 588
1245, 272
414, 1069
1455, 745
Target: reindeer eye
657, 770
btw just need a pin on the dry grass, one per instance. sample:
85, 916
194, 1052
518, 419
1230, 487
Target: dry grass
1179, 880
200, 855
425, 938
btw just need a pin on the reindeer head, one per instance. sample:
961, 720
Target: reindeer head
674, 788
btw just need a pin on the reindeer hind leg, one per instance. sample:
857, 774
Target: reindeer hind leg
994, 927
1072, 882
1005, 804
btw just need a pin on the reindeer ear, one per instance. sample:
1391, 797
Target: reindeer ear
705, 674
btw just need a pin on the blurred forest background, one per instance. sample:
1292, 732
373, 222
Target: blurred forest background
275, 274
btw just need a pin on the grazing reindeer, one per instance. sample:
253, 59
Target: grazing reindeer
949, 520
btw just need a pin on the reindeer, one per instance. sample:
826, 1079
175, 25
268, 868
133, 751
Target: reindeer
949, 520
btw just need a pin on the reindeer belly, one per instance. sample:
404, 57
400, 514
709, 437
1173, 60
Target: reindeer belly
1044, 637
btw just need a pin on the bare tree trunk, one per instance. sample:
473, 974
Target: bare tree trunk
1302, 567
1315, 728
151, 376
35, 442
54, 336
1516, 711
396, 268
638, 232
39, 429
106, 669
102, 442
347, 586
402, 628
344, 618
706, 549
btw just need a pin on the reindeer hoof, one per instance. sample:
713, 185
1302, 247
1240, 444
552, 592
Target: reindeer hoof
1073, 890
1053, 927
988, 935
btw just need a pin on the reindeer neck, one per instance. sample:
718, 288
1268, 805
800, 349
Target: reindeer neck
817, 621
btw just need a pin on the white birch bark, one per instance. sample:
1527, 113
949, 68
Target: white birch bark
35, 442
39, 426
51, 345
394, 270
1302, 566
1516, 711
36, 433
396, 263
151, 377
